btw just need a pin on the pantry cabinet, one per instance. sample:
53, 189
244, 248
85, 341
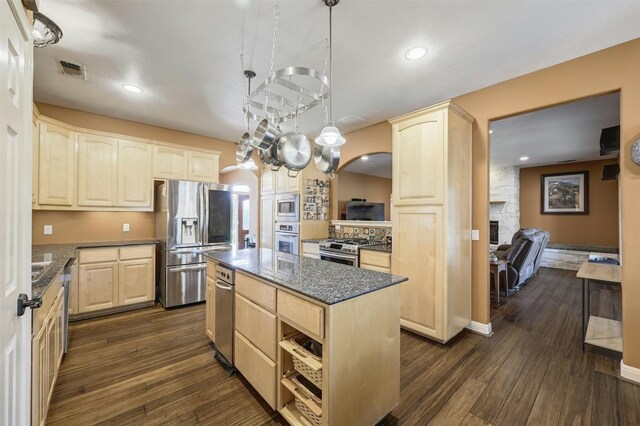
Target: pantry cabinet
97, 170
432, 219
57, 165
135, 184
267, 215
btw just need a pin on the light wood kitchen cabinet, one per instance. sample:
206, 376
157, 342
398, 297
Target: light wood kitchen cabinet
210, 314
375, 260
34, 161
135, 184
286, 183
57, 165
97, 170
203, 166
267, 224
311, 249
268, 182
112, 278
432, 219
169, 163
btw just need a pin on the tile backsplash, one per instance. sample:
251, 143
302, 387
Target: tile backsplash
369, 232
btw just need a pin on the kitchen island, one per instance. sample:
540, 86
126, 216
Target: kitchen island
352, 317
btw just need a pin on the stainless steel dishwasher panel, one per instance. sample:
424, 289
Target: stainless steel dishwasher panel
225, 307
184, 284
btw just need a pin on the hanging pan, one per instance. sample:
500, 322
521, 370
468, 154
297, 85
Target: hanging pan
327, 159
294, 149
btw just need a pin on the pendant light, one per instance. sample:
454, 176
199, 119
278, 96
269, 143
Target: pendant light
330, 135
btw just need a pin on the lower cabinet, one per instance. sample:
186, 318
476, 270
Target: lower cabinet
111, 278
311, 250
375, 260
47, 350
210, 321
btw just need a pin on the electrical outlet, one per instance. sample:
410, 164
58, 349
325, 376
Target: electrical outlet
475, 234
125, 227
48, 229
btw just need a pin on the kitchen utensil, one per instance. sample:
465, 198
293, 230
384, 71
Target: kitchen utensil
327, 159
294, 151
265, 135
245, 148
269, 155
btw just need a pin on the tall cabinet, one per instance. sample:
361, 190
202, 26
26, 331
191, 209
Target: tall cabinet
432, 218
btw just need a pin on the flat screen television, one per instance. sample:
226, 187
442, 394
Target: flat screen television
359, 210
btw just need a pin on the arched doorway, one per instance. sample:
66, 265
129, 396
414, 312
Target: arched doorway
244, 184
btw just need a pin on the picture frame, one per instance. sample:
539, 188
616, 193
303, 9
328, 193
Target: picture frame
565, 193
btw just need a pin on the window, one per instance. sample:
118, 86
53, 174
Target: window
245, 215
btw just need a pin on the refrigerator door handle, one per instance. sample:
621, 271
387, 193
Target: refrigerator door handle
204, 213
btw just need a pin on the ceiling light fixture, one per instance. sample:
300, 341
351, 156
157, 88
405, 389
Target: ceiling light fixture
364, 157
45, 32
133, 89
490, 131
415, 53
524, 158
330, 135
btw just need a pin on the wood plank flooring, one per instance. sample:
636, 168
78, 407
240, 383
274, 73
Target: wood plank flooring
156, 367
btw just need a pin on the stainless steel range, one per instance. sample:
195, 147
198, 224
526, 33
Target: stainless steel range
345, 251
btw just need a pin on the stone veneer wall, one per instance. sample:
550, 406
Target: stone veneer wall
369, 232
505, 186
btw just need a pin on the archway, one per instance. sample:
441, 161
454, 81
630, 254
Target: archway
244, 184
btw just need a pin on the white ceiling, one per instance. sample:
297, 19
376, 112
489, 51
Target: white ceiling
552, 135
185, 54
377, 165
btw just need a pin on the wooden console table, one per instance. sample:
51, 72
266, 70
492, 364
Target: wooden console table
598, 331
495, 267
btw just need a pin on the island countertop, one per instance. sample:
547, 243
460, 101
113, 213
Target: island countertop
321, 280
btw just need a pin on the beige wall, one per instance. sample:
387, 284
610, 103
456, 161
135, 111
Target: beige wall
355, 185
599, 227
245, 177
74, 227
370, 140
599, 73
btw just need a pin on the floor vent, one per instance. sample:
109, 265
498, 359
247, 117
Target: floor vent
71, 69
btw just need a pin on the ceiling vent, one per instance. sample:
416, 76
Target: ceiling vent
351, 119
71, 69
566, 161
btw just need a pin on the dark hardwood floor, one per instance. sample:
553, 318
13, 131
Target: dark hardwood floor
156, 367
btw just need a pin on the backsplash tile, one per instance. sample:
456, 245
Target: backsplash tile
369, 232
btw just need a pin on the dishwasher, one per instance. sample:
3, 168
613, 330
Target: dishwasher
224, 314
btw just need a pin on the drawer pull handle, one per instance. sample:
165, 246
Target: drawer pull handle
301, 354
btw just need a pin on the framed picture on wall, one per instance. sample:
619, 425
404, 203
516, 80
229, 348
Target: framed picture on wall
565, 193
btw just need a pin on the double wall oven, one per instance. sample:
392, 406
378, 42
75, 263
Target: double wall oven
287, 229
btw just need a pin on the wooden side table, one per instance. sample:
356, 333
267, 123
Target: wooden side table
495, 267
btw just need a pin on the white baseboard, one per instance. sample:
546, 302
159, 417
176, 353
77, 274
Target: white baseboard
480, 328
629, 373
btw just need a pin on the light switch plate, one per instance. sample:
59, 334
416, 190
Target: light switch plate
475, 234
125, 227
48, 229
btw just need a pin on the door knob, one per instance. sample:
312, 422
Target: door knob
24, 303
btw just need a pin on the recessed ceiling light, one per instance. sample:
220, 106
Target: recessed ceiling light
524, 158
490, 131
415, 53
133, 89
364, 157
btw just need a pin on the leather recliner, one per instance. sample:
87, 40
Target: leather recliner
524, 255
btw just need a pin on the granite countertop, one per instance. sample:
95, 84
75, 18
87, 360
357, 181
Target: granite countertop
324, 281
314, 240
59, 255
386, 248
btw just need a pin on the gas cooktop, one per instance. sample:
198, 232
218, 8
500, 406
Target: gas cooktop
348, 245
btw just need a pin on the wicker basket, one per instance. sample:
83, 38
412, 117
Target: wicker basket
301, 342
307, 388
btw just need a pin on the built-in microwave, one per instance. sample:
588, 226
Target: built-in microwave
288, 208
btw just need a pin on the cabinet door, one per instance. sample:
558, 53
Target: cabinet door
211, 309
39, 378
59, 314
418, 239
418, 160
135, 281
203, 166
135, 183
98, 287
268, 182
57, 165
267, 205
169, 163
97, 170
34, 163
281, 180
51, 327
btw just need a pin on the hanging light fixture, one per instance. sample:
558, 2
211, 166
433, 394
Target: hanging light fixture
45, 31
330, 135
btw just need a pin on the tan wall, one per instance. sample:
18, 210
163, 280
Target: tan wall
245, 177
602, 72
599, 227
131, 128
75, 227
355, 185
370, 140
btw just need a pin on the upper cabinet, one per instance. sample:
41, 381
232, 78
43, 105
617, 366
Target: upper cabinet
135, 184
286, 183
57, 165
169, 163
203, 166
97, 170
268, 182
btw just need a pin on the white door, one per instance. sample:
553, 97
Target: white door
16, 53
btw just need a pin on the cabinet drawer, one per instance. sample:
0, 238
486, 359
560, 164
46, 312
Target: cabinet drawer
136, 252
375, 258
376, 268
257, 325
259, 370
307, 315
98, 255
259, 293
311, 248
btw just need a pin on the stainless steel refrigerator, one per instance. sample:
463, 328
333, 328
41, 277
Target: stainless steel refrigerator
191, 219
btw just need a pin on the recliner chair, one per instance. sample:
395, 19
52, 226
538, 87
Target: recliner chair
524, 255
